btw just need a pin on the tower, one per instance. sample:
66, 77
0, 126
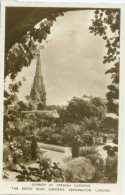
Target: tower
38, 93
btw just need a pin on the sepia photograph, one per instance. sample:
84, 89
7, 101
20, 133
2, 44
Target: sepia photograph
61, 94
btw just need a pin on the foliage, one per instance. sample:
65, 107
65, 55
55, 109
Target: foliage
79, 170
46, 171
18, 123
15, 87
115, 140
56, 131
107, 25
21, 54
111, 163
79, 108
87, 151
9, 98
61, 110
92, 123
23, 51
111, 150
7, 154
20, 106
63, 136
108, 20
99, 164
67, 134
11, 94
14, 119
111, 168
16, 149
49, 135
83, 130
40, 120
12, 124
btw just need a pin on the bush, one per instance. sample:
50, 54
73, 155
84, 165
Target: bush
79, 170
7, 154
46, 171
98, 162
111, 168
49, 135
56, 139
87, 150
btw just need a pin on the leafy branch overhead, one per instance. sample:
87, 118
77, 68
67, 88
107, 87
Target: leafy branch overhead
22, 52
107, 25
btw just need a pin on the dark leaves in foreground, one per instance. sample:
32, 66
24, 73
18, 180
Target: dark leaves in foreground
46, 171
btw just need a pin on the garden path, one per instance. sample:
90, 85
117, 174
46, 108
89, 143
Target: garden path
58, 157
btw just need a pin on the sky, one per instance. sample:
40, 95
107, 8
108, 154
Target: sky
72, 61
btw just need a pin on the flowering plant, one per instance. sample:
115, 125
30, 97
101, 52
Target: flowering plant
16, 150
18, 153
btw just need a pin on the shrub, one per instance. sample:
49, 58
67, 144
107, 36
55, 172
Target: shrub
16, 151
44, 133
46, 171
111, 168
49, 135
98, 162
87, 150
79, 170
7, 154
56, 139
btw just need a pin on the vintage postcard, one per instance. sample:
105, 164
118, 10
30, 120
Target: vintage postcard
61, 96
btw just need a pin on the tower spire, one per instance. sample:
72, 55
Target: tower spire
38, 93
38, 66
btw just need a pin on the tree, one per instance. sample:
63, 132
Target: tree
79, 108
107, 25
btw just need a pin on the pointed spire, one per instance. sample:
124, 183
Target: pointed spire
38, 66
38, 92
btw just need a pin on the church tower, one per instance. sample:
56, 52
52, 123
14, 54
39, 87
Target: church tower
38, 93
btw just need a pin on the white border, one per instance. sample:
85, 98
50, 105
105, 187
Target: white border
116, 189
